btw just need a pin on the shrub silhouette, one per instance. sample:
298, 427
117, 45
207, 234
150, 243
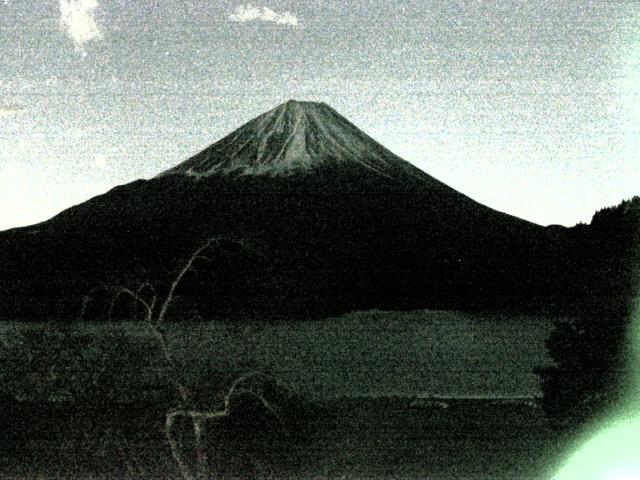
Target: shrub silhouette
251, 396
590, 351
61, 363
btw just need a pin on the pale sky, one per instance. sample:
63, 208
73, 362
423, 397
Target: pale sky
530, 107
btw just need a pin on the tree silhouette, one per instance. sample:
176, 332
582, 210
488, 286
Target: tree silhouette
265, 390
589, 351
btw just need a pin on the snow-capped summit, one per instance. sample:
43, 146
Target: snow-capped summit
293, 138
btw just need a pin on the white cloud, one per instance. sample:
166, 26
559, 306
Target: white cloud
10, 110
249, 13
101, 161
78, 20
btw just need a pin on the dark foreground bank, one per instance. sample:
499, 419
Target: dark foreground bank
346, 438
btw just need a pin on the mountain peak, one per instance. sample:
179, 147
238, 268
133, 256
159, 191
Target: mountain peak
293, 138
301, 106
293, 103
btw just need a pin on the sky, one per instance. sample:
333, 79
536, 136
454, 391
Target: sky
530, 107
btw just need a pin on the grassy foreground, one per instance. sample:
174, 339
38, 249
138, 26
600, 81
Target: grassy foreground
348, 438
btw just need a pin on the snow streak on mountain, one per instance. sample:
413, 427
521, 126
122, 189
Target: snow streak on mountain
293, 138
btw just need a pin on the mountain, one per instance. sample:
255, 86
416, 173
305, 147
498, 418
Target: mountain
329, 220
293, 138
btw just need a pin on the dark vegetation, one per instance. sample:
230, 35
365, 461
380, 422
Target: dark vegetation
59, 363
76, 404
344, 438
591, 350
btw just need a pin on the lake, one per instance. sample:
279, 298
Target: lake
420, 353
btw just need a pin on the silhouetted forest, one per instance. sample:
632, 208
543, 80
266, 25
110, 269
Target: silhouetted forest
591, 350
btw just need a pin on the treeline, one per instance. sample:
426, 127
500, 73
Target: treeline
590, 350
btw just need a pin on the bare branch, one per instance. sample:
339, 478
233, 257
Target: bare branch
256, 392
155, 320
88, 297
185, 471
200, 419
134, 296
182, 390
203, 258
152, 305
188, 266
146, 285
117, 291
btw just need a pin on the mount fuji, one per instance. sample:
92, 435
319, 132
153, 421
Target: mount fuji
333, 222
294, 138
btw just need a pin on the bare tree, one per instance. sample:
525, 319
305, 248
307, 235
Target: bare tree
155, 312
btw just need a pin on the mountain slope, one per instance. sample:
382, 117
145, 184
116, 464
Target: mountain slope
333, 220
296, 137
